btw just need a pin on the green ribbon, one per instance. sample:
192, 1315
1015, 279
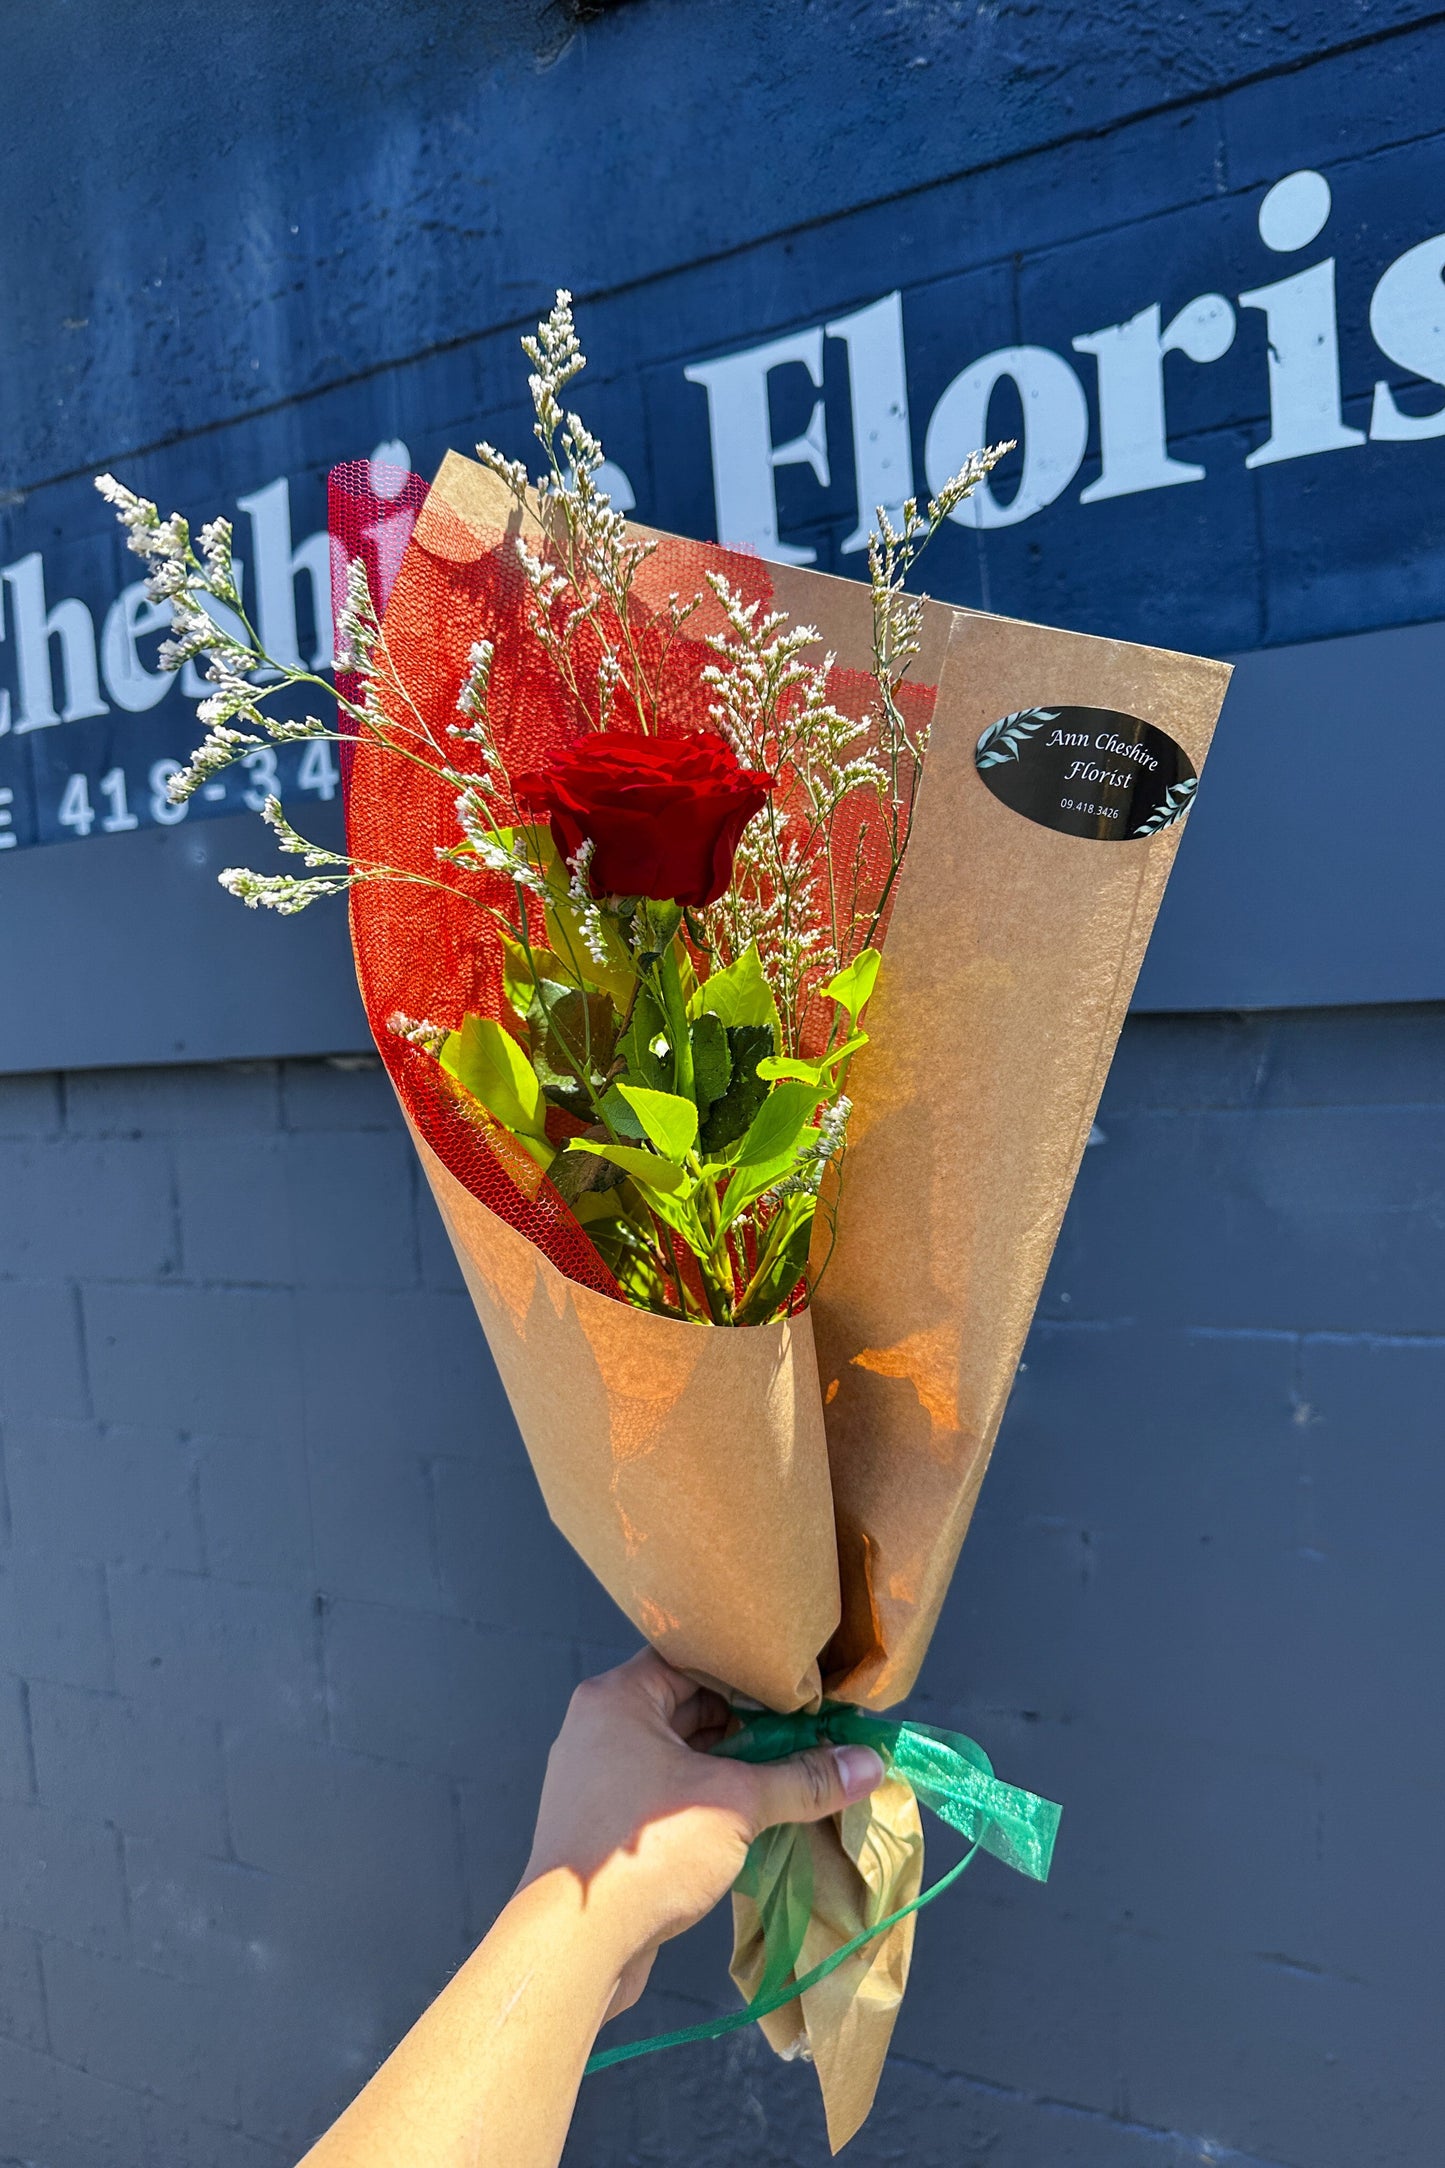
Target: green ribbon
950, 1775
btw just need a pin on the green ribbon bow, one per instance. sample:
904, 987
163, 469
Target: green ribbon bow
949, 1774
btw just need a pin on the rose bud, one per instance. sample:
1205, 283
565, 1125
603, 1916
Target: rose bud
664, 815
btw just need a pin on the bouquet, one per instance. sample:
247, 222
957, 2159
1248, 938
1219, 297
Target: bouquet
746, 948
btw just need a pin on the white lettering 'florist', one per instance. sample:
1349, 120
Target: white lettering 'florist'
57, 666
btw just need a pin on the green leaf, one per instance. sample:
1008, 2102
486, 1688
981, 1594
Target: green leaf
518, 983
646, 1168
747, 1184
571, 1031
779, 1069
535, 839
596, 1206
777, 1125
487, 1062
852, 987
636, 1046
627, 1250
669, 1120
614, 1109
817, 1073
739, 995
654, 929
782, 1264
778, 1133
564, 930
731, 1115
575, 1176
712, 1066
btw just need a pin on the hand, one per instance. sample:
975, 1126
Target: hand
652, 1826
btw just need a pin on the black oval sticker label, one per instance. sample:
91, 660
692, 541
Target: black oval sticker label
1087, 772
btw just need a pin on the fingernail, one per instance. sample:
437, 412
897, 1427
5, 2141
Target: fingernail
860, 1769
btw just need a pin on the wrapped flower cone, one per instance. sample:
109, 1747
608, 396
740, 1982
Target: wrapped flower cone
747, 949
780, 1523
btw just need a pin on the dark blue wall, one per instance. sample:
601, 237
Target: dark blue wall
271, 1562
276, 1577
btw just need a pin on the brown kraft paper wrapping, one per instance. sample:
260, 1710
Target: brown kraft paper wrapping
688, 1466
865, 1863
1008, 969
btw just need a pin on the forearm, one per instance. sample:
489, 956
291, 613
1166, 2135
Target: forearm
488, 2076
641, 1830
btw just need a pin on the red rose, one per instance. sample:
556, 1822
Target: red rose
664, 814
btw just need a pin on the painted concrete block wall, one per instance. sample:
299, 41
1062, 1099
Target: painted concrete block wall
284, 1633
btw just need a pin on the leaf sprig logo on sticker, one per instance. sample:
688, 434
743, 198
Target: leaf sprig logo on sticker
1005, 739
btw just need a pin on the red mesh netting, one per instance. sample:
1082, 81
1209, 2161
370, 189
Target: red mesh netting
425, 948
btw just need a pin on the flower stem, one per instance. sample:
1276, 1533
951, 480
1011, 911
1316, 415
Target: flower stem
674, 1008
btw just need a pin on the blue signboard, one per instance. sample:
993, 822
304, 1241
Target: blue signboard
1230, 420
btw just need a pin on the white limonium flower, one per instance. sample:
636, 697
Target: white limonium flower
131, 509
146, 534
168, 578
220, 746
810, 1166
418, 1031
176, 576
216, 551
476, 725
284, 893
169, 539
195, 632
833, 1128
472, 699
233, 696
609, 677
583, 902
475, 820
288, 893
290, 839
556, 358
510, 471
290, 730
357, 628
486, 845
584, 449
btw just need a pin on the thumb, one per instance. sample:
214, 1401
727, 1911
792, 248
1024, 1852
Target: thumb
806, 1787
